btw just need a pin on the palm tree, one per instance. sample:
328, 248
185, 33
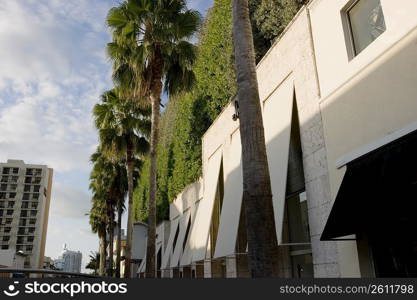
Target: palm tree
93, 264
98, 225
105, 185
121, 183
151, 51
123, 128
257, 194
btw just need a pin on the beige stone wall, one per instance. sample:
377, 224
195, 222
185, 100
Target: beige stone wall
344, 106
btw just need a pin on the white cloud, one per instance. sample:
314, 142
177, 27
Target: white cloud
69, 202
52, 71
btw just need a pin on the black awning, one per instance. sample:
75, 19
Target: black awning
378, 193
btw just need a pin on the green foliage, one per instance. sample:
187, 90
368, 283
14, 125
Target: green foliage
269, 19
215, 64
188, 116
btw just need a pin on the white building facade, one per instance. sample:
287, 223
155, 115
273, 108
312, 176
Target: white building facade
25, 194
70, 261
338, 95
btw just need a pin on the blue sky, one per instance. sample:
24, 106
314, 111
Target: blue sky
52, 70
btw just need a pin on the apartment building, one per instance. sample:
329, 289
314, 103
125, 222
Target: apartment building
338, 95
25, 194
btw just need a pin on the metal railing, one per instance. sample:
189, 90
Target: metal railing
46, 272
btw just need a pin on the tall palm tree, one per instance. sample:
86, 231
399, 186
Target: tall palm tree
123, 128
156, 35
121, 183
98, 225
105, 185
257, 194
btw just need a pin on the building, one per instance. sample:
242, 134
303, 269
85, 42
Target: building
139, 238
12, 259
338, 96
122, 248
48, 263
69, 261
25, 195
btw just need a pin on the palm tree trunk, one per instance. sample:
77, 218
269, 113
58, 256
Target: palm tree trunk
111, 239
119, 236
103, 246
257, 195
150, 249
156, 89
128, 251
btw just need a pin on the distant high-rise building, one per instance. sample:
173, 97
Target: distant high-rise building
70, 261
25, 195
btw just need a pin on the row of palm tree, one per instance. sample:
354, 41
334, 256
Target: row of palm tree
123, 130
151, 53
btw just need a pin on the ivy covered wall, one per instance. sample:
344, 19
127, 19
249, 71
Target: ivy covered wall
188, 116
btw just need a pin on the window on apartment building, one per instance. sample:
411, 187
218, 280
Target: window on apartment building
37, 180
14, 178
33, 213
6, 238
4, 178
21, 230
29, 172
9, 221
35, 196
12, 195
34, 205
3, 187
4, 247
36, 188
31, 230
24, 213
7, 229
2, 195
13, 187
10, 212
22, 222
6, 170
38, 172
29, 248
1, 212
27, 188
10, 204
30, 239
28, 180
32, 221
19, 248
25, 205
19, 240
365, 22
2, 204
15, 170
26, 196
